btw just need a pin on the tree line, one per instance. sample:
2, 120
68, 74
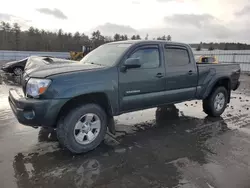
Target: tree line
34, 39
221, 46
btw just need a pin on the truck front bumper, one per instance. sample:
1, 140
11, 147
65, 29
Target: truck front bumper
35, 112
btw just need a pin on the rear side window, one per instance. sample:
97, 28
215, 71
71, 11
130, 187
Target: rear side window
176, 56
149, 57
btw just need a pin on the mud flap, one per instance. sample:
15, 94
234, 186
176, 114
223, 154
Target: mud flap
236, 86
111, 124
229, 96
229, 93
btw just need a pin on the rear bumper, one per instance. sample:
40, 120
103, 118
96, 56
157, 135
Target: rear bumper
35, 112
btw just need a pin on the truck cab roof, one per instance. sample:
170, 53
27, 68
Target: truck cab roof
149, 42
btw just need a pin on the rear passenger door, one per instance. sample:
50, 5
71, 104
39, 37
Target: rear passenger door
181, 73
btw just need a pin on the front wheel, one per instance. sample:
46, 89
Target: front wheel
18, 71
83, 128
216, 103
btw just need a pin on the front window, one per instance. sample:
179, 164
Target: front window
105, 55
149, 57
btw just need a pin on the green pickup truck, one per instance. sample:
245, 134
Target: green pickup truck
80, 99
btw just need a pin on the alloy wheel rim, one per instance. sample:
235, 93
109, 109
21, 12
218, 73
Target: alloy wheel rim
87, 128
219, 101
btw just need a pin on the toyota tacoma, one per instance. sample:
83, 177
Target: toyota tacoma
80, 99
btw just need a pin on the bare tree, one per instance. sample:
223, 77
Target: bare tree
169, 38
133, 37
117, 37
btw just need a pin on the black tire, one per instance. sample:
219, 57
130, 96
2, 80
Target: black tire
65, 128
208, 103
13, 70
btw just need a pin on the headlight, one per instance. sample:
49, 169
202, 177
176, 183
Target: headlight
36, 87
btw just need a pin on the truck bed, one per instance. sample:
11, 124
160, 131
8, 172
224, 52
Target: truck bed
209, 73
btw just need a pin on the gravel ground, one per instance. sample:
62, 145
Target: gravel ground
175, 146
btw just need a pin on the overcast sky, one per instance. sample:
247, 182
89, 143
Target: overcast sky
184, 20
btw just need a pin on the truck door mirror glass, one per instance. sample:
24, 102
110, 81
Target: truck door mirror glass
132, 63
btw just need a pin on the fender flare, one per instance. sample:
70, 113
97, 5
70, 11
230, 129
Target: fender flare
213, 83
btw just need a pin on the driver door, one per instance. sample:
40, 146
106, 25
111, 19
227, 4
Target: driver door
142, 87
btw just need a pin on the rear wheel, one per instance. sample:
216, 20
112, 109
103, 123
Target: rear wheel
83, 128
216, 103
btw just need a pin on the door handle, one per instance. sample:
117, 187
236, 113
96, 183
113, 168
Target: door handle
159, 75
190, 72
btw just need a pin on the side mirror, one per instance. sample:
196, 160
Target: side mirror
132, 63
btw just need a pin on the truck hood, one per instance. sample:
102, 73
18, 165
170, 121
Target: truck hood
11, 63
43, 67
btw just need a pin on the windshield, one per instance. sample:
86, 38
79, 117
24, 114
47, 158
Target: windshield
105, 55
